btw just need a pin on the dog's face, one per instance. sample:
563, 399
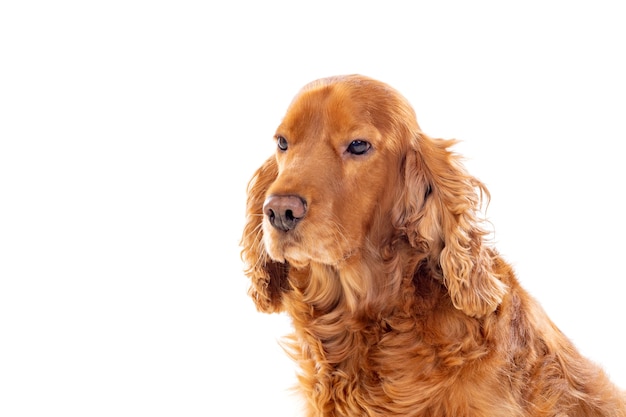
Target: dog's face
336, 173
355, 181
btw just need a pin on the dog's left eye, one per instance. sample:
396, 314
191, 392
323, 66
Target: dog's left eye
359, 147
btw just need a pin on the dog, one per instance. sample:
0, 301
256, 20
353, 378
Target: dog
368, 233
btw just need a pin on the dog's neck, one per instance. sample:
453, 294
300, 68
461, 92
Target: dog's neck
332, 305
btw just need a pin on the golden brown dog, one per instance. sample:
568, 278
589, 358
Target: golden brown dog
368, 234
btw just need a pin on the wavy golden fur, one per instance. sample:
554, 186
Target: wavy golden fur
368, 234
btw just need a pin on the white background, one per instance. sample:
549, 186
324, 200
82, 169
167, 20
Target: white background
128, 132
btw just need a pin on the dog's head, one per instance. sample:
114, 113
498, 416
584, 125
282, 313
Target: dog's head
352, 169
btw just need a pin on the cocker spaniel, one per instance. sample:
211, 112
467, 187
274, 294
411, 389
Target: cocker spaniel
368, 233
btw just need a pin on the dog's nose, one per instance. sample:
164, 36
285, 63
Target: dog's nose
284, 211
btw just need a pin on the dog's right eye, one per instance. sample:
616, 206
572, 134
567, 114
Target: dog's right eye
281, 142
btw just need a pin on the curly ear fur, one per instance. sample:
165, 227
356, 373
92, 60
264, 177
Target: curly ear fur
440, 215
268, 277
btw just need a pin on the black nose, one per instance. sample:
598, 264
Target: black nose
284, 211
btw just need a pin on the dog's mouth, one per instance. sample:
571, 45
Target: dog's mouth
281, 245
300, 249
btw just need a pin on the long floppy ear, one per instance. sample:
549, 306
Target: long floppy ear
441, 211
268, 278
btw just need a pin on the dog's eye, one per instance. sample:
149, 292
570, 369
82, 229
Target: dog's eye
281, 142
359, 147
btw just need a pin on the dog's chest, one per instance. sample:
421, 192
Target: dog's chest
385, 370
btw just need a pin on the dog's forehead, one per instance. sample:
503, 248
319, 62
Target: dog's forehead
345, 108
327, 107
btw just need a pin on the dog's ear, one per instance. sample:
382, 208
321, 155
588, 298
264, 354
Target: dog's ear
440, 216
268, 278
